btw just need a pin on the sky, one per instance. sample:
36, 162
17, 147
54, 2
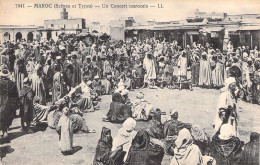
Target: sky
173, 10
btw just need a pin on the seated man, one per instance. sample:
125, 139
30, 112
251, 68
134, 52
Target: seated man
171, 129
155, 127
143, 151
78, 123
104, 155
119, 111
141, 108
251, 150
173, 125
186, 152
81, 95
225, 146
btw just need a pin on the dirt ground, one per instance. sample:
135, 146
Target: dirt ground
196, 107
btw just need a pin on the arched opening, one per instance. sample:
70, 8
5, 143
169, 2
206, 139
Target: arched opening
30, 37
6, 36
48, 35
18, 36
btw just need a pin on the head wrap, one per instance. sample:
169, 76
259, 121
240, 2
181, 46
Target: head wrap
129, 124
198, 133
184, 139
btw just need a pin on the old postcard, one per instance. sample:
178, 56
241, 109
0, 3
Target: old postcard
129, 82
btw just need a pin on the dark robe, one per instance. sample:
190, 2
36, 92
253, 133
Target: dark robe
195, 71
155, 127
76, 74
8, 106
226, 152
250, 155
143, 151
118, 111
103, 150
172, 127
26, 102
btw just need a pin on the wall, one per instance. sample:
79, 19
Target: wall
65, 23
117, 33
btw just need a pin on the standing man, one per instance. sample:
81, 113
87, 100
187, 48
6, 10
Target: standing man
26, 105
226, 107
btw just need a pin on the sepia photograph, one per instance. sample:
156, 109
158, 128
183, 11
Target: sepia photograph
129, 82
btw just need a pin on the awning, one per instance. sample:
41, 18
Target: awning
212, 29
192, 33
249, 28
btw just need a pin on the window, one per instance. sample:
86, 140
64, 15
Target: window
78, 26
52, 25
56, 34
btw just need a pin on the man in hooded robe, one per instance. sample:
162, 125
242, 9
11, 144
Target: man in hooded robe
143, 151
8, 93
104, 155
149, 66
141, 108
186, 152
226, 147
125, 136
205, 76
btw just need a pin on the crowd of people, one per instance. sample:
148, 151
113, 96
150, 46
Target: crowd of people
58, 81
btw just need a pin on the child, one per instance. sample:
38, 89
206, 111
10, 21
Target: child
65, 132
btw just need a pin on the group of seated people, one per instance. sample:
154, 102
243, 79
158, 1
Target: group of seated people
79, 100
187, 143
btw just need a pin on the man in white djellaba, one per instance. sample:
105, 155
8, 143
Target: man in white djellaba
226, 106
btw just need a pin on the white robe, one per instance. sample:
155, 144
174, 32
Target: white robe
149, 66
224, 101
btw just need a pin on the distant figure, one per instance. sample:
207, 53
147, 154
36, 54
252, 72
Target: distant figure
182, 65
205, 76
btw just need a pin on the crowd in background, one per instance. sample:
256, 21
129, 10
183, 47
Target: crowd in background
48, 80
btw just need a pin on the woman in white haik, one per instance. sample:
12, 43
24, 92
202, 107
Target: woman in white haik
125, 136
226, 106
